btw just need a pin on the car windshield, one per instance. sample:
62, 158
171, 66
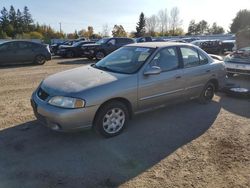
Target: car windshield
126, 60
102, 41
77, 44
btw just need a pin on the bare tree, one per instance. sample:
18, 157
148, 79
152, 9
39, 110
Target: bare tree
163, 21
152, 24
175, 21
105, 30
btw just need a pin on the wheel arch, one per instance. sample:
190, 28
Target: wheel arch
125, 101
215, 82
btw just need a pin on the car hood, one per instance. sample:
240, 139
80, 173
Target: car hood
78, 80
64, 46
92, 45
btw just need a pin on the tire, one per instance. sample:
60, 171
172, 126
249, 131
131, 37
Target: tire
99, 55
207, 93
40, 60
70, 54
111, 119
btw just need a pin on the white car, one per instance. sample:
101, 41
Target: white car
238, 62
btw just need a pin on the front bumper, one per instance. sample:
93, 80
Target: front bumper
60, 119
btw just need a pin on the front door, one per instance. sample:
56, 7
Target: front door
154, 90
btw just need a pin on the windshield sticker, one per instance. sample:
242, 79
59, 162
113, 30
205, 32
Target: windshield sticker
142, 49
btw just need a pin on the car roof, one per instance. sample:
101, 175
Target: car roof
158, 44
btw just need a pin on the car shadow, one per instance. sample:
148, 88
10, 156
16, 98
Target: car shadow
18, 65
76, 61
239, 106
33, 156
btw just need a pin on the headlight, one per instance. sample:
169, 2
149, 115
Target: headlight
67, 102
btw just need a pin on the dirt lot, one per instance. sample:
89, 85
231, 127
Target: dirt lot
184, 145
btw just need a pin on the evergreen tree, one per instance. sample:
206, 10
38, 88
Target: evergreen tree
19, 19
12, 22
140, 28
27, 19
4, 19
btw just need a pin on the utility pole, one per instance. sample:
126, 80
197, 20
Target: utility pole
60, 27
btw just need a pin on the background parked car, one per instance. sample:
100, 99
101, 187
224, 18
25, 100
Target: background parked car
228, 45
238, 62
144, 39
55, 47
210, 46
73, 51
18, 52
105, 46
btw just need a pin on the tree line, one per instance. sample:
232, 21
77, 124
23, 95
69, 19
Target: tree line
19, 24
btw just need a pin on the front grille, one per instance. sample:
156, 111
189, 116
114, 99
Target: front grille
42, 94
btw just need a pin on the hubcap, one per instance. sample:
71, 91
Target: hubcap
209, 93
114, 120
40, 59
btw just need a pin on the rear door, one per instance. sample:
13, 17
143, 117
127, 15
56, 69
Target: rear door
196, 72
154, 90
26, 51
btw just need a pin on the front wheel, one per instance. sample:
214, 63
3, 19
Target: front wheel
207, 93
99, 55
40, 60
111, 119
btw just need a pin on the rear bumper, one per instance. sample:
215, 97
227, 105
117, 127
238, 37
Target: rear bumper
48, 57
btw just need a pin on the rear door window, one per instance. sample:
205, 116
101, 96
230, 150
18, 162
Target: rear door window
190, 57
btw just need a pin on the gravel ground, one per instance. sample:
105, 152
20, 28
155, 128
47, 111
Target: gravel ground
184, 145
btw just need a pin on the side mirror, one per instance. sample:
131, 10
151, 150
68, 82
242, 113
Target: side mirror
152, 71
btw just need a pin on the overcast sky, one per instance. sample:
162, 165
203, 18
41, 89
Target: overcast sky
78, 14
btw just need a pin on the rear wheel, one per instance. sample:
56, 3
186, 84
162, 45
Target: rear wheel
111, 119
40, 60
207, 93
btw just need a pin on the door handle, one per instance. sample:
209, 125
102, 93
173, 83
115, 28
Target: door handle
177, 77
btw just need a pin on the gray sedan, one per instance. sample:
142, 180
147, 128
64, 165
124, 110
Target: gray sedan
133, 79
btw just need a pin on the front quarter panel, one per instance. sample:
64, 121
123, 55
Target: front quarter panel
123, 87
